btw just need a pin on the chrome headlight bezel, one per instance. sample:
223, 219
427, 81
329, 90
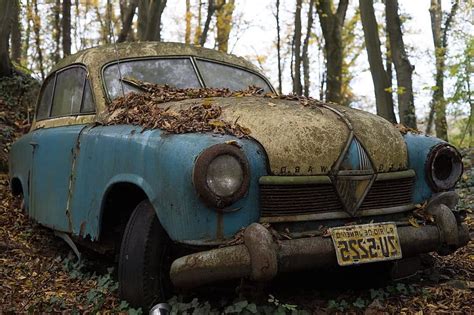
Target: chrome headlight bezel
444, 167
200, 172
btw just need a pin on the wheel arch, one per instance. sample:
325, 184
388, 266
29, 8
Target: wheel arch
16, 186
121, 195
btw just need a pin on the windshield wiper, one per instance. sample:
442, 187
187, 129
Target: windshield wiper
138, 84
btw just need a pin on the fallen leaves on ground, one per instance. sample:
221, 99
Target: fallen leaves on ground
38, 272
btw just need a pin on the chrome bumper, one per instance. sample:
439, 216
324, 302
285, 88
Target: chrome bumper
260, 258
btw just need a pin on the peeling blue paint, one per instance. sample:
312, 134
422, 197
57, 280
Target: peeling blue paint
160, 164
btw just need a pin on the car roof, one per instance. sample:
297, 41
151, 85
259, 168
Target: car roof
94, 58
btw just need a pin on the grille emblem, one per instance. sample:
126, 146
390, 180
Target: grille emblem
353, 176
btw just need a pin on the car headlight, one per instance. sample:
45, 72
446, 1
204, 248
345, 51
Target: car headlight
443, 167
221, 175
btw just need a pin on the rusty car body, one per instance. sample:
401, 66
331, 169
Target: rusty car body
340, 184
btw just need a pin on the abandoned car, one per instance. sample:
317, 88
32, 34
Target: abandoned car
307, 187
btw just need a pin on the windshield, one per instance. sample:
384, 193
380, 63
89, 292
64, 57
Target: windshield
174, 72
218, 75
179, 73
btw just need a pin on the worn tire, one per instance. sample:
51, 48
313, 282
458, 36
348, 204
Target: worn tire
144, 261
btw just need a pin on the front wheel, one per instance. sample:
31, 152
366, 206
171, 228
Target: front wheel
144, 259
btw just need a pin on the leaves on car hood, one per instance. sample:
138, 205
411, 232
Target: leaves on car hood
147, 110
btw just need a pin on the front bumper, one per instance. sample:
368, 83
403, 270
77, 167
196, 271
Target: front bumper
260, 258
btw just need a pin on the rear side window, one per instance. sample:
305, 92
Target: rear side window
45, 100
72, 95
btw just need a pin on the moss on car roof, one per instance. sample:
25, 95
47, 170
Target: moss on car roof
95, 57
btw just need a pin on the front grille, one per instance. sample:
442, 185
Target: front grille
282, 200
298, 199
389, 193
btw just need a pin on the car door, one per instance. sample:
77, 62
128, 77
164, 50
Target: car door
54, 148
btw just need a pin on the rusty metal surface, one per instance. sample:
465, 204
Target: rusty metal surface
239, 261
263, 252
210, 266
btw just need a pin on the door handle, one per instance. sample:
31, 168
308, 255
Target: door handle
34, 144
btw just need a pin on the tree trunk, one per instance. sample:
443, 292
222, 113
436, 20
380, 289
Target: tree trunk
440, 41
6, 8
16, 33
36, 30
297, 88
108, 22
188, 16
57, 31
309, 27
383, 99
403, 68
127, 21
277, 17
198, 31
66, 31
26, 44
225, 9
331, 26
211, 8
142, 18
153, 20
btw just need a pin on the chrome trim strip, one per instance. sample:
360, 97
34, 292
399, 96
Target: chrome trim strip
294, 180
336, 215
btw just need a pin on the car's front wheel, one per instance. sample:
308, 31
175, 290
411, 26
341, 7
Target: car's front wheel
144, 259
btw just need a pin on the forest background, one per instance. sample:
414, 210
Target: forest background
410, 62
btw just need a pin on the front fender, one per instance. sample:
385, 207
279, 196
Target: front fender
161, 164
419, 146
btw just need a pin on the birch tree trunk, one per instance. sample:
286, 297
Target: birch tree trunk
402, 64
382, 86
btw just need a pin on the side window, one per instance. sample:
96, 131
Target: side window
87, 100
44, 103
68, 92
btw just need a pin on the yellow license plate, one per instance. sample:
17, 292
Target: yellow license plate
359, 244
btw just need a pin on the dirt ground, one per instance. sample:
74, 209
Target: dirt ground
38, 272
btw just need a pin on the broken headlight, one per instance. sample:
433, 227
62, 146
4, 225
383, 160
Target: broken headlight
221, 175
443, 167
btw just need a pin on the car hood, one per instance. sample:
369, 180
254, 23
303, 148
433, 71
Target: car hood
309, 140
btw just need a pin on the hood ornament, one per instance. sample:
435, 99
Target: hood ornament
354, 177
353, 173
